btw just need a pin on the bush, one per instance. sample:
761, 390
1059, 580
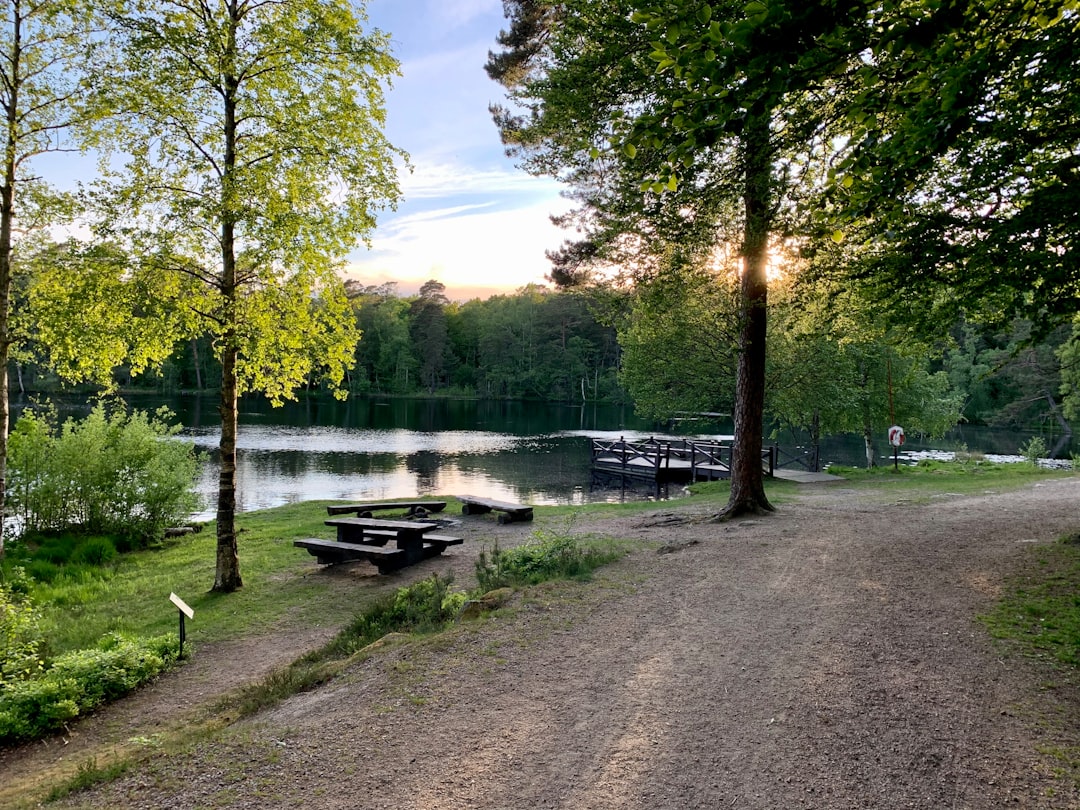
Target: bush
1034, 450
57, 550
78, 682
548, 556
21, 638
43, 571
111, 473
94, 551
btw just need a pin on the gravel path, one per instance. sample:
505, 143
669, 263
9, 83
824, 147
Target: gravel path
825, 657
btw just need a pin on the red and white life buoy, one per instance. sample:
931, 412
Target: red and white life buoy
896, 435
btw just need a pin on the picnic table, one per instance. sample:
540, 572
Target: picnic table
369, 539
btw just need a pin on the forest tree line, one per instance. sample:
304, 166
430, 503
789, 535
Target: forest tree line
667, 347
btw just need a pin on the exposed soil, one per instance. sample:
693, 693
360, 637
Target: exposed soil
827, 656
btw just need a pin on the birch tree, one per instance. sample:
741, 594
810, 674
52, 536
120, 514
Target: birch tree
43, 44
246, 158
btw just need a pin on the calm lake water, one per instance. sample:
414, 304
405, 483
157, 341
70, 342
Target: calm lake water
366, 449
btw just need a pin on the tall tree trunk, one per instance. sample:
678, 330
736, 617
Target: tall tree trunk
747, 475
7, 217
227, 574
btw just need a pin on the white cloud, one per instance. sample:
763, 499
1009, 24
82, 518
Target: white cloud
457, 13
473, 251
443, 176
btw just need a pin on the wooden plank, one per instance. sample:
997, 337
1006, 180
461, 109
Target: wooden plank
329, 552
472, 505
354, 530
366, 509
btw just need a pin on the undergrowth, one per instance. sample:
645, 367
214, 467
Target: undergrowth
550, 555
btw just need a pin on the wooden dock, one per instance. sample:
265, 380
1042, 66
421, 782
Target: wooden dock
670, 460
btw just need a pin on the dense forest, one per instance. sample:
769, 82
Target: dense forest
663, 350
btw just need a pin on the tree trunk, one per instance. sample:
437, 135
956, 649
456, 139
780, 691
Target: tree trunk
747, 475
868, 441
227, 574
7, 217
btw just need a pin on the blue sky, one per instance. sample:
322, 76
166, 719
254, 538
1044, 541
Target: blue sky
469, 218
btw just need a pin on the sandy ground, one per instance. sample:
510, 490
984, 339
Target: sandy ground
828, 657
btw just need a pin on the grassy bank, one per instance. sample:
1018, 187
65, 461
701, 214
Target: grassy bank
282, 586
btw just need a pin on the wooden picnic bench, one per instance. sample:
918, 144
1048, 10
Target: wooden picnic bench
367, 539
511, 512
367, 510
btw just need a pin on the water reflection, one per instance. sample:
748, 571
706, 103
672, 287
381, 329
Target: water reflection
367, 449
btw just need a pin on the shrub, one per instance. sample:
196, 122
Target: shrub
43, 571
1034, 450
78, 682
21, 638
548, 556
94, 551
57, 550
111, 473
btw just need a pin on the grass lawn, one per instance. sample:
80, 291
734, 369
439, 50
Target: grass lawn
282, 587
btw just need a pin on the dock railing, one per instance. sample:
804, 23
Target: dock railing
647, 454
705, 460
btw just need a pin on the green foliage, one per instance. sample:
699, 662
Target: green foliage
245, 187
21, 638
1033, 450
94, 551
967, 216
549, 555
111, 473
78, 682
679, 344
423, 607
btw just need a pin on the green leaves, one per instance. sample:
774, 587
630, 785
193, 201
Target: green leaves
257, 162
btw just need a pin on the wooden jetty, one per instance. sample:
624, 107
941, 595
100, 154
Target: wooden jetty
670, 460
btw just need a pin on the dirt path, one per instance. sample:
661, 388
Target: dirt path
824, 657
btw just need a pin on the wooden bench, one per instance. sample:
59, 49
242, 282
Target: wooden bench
380, 537
511, 512
367, 510
329, 552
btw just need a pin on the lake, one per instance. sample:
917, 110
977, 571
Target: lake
366, 449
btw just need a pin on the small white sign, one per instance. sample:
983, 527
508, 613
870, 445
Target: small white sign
180, 603
896, 435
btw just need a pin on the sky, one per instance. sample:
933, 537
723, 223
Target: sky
469, 218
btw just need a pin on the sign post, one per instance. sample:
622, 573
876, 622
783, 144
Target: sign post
184, 611
896, 438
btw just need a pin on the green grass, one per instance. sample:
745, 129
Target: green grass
1041, 611
1040, 617
132, 596
281, 585
934, 478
